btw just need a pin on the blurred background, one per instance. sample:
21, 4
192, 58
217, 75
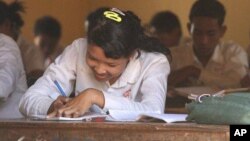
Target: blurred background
72, 13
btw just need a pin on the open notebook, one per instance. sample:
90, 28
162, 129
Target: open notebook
121, 115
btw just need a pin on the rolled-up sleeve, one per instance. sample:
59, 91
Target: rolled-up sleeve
40, 96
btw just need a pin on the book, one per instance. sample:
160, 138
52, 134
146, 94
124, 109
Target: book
124, 115
168, 118
121, 116
89, 116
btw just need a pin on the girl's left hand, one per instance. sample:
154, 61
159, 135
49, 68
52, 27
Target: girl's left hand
80, 104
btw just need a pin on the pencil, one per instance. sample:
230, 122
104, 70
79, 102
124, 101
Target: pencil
59, 88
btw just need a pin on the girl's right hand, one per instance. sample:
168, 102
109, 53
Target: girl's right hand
58, 103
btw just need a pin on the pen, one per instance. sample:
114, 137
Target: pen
59, 88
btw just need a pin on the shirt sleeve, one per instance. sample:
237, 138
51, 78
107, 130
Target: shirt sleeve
39, 97
10, 68
152, 91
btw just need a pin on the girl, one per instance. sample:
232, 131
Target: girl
116, 67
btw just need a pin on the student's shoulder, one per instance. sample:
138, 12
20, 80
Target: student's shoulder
152, 57
6, 39
231, 46
7, 42
79, 42
78, 45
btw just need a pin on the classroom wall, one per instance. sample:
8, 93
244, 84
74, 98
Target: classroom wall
71, 13
237, 18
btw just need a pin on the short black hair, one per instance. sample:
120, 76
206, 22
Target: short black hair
165, 21
208, 8
47, 25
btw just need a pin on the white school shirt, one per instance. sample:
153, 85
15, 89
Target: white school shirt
12, 78
227, 66
145, 79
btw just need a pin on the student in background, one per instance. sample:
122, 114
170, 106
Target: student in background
12, 75
166, 26
47, 34
31, 56
208, 61
116, 67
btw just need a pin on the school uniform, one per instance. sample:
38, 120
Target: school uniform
12, 78
141, 87
227, 66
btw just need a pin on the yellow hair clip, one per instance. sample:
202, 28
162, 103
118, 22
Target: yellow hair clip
113, 15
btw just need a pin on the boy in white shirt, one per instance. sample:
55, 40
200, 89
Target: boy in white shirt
208, 61
206, 64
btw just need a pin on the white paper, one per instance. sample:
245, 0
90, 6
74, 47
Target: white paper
86, 117
119, 115
168, 118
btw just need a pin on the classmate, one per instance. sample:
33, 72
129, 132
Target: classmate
165, 26
208, 61
116, 67
47, 34
12, 75
31, 56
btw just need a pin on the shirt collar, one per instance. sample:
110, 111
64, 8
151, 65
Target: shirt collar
130, 74
213, 57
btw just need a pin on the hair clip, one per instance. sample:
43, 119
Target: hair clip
113, 14
117, 11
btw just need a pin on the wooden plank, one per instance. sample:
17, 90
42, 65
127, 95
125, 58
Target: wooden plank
110, 131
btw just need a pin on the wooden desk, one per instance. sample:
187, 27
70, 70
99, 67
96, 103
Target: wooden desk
28, 130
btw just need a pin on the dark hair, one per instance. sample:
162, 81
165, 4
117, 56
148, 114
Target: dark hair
208, 8
3, 12
49, 26
15, 9
165, 21
91, 17
120, 34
